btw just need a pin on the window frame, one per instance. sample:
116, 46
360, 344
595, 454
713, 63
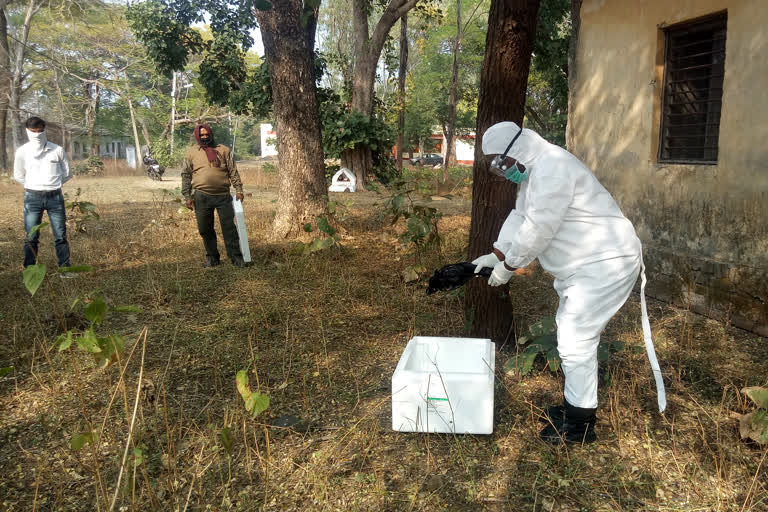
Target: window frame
716, 21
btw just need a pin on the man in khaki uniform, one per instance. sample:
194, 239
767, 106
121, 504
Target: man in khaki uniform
209, 170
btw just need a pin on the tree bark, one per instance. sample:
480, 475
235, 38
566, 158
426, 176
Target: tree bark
503, 84
401, 92
450, 131
92, 91
367, 51
5, 84
17, 78
572, 68
288, 47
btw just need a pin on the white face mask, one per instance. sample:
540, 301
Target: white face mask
38, 140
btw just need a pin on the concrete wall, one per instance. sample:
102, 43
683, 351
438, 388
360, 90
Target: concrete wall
704, 227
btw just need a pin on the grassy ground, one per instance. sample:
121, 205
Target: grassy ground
321, 335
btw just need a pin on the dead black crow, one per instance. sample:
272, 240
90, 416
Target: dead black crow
453, 276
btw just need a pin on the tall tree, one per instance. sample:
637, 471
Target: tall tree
368, 48
5, 82
401, 76
19, 51
503, 83
288, 47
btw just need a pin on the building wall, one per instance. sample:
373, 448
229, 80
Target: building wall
704, 227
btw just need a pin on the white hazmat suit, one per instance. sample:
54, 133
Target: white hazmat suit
564, 217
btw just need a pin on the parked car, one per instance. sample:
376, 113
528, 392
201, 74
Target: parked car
427, 159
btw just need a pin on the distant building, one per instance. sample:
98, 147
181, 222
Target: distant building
75, 142
268, 140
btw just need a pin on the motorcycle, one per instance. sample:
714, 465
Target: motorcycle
153, 169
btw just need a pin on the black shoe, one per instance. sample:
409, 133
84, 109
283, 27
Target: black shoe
239, 263
577, 425
553, 413
209, 262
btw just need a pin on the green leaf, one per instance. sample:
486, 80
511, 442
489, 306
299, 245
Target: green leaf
757, 394
138, 456
226, 439
308, 227
89, 342
262, 5
603, 352
33, 277
543, 327
6, 371
553, 358
126, 309
83, 438
110, 347
65, 341
96, 311
320, 244
257, 403
75, 269
242, 384
322, 225
35, 229
525, 362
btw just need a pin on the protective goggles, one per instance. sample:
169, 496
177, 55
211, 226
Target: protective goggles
498, 165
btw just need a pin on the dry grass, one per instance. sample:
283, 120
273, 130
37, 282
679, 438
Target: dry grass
321, 335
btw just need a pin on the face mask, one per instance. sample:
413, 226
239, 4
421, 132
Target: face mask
514, 175
205, 139
38, 140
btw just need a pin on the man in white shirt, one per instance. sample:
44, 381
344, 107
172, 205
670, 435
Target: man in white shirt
42, 167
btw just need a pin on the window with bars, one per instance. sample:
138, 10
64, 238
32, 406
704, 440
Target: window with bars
693, 90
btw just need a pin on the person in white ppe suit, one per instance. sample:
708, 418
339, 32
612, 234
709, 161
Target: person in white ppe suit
564, 217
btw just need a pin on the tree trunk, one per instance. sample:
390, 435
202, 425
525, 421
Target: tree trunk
572, 68
401, 92
288, 47
5, 84
367, 51
17, 78
503, 84
450, 131
92, 91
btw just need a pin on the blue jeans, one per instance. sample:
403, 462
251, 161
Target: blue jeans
35, 203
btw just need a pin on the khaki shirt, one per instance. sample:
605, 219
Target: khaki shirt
212, 178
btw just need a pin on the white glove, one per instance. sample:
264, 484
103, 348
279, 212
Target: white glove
489, 260
500, 275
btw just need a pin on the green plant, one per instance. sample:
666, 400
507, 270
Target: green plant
421, 221
91, 166
542, 337
331, 238
754, 425
81, 212
255, 402
104, 348
269, 168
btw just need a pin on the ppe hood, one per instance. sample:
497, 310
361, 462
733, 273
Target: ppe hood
526, 149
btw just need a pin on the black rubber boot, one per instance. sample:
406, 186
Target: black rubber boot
553, 413
576, 426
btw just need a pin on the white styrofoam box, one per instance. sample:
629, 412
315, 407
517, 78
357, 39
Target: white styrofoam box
241, 232
444, 385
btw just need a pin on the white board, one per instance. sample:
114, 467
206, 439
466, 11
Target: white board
241, 231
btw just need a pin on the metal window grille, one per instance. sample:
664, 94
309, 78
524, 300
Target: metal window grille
693, 90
